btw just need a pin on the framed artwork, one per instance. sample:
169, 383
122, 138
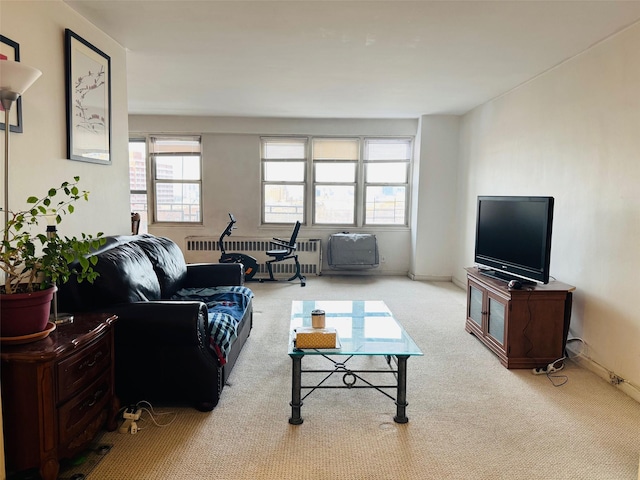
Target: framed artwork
10, 50
88, 85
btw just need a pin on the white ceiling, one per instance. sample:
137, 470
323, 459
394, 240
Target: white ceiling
342, 59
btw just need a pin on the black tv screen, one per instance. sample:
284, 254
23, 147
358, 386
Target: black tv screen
513, 237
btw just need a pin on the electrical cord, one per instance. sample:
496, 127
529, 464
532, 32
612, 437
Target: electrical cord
580, 353
557, 365
133, 413
143, 404
524, 330
562, 379
557, 380
582, 350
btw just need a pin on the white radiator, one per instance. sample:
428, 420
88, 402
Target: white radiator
206, 249
353, 251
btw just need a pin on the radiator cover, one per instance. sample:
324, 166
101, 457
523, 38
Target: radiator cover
206, 249
353, 251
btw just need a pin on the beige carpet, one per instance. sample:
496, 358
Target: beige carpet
470, 418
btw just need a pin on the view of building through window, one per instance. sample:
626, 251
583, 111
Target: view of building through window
138, 181
176, 178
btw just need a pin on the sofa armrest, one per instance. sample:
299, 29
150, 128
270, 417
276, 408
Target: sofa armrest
214, 275
162, 323
163, 355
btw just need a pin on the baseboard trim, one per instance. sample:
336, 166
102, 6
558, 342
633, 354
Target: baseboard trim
430, 278
370, 272
602, 372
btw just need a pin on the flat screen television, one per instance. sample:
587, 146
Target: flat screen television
513, 237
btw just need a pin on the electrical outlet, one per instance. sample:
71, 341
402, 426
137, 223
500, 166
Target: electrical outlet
615, 379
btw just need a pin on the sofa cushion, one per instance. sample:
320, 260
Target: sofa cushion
168, 262
126, 275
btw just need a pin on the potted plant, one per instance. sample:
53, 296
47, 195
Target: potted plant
34, 263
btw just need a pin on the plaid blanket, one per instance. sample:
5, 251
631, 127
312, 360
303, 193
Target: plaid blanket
226, 306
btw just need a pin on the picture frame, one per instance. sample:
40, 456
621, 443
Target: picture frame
11, 50
88, 96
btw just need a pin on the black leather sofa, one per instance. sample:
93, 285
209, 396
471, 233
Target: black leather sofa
163, 346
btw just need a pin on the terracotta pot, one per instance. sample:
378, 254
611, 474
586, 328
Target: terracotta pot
25, 313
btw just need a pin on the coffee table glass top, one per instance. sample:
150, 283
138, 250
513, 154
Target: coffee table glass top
364, 328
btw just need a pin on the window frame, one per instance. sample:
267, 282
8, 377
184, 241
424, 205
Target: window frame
406, 184
360, 184
147, 214
356, 179
154, 182
264, 183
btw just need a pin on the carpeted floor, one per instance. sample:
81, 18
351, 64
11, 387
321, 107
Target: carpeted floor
470, 418
76, 468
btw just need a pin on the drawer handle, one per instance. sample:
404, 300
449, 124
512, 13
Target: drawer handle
92, 402
91, 363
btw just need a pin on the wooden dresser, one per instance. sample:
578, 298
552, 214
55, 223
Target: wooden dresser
57, 393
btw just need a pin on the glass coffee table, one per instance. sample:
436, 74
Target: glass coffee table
364, 328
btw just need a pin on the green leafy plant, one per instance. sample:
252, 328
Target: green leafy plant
37, 261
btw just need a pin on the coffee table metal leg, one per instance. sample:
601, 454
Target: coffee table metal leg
296, 389
401, 398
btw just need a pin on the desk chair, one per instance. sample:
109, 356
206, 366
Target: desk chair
135, 223
285, 251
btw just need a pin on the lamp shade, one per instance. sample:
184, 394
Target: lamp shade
16, 78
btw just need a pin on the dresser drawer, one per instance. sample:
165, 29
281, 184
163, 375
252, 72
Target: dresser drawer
77, 371
75, 415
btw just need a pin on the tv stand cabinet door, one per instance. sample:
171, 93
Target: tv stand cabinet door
488, 317
497, 321
476, 308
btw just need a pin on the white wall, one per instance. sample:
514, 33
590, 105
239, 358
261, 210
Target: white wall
231, 176
38, 155
434, 198
573, 133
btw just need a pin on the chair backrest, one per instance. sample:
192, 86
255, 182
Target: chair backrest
294, 235
135, 223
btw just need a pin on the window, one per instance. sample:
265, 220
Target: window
335, 168
354, 181
386, 181
177, 180
138, 180
284, 163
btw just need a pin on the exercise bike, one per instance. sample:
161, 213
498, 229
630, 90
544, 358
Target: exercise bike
285, 250
250, 264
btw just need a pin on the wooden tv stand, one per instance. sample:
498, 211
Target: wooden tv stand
525, 328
